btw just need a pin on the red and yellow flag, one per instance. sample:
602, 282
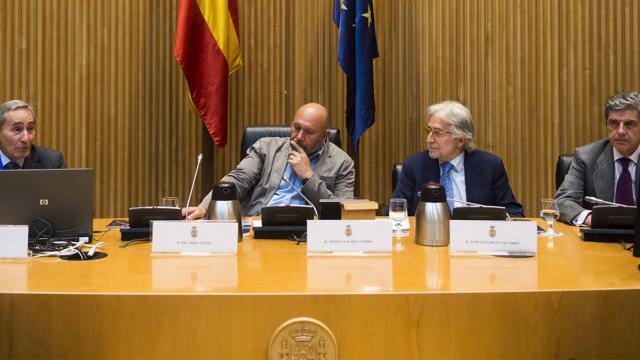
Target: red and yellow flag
208, 50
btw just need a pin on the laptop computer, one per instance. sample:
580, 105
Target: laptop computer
62, 197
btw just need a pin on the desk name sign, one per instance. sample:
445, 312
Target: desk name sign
194, 237
482, 237
348, 237
14, 240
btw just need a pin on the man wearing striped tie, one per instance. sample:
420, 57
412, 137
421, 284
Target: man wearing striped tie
17, 131
605, 169
467, 174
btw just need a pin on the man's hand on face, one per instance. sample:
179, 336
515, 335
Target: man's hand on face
299, 160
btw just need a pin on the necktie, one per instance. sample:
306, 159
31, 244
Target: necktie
624, 191
11, 165
445, 179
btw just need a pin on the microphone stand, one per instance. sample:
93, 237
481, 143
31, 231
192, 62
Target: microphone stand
193, 183
315, 211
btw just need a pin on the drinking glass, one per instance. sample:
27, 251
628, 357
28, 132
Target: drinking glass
170, 201
550, 213
398, 214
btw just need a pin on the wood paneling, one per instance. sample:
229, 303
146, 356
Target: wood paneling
109, 94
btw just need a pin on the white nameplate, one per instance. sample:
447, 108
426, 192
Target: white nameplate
14, 241
481, 237
348, 237
194, 237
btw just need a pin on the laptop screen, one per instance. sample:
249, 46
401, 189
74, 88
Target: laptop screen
62, 197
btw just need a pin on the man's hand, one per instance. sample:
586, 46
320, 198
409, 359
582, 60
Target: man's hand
299, 160
195, 212
587, 220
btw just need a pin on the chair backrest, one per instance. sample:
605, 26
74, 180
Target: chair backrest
253, 133
396, 171
562, 168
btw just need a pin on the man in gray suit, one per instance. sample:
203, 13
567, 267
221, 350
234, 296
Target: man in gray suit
275, 169
605, 169
17, 131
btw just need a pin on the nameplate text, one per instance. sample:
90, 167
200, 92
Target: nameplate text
487, 237
194, 237
348, 237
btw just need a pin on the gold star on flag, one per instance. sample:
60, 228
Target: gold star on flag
342, 5
368, 15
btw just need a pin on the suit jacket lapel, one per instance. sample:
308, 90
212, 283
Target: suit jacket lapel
604, 175
32, 161
471, 176
279, 164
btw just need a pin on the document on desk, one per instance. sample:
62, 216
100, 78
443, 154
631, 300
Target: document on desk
489, 237
349, 237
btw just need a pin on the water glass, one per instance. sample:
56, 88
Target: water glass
170, 201
398, 214
549, 212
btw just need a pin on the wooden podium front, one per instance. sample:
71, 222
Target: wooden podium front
573, 300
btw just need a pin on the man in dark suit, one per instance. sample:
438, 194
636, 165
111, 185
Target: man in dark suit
467, 174
605, 169
17, 131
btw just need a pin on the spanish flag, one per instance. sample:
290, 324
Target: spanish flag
208, 50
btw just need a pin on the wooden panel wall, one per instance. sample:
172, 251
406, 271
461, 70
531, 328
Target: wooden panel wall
108, 93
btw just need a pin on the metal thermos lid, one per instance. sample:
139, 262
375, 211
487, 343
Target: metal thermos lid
224, 191
432, 192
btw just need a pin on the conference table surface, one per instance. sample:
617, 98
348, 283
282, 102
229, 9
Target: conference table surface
574, 299
282, 267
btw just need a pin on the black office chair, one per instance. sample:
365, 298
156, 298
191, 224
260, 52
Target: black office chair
253, 133
396, 172
562, 168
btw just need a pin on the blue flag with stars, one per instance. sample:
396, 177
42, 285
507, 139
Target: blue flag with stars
357, 47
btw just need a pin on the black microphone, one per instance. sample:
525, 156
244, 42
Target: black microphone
193, 183
315, 211
595, 200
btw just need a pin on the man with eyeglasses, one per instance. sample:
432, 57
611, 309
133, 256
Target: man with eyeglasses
605, 169
468, 175
17, 131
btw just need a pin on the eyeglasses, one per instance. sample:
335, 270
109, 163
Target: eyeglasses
437, 133
615, 124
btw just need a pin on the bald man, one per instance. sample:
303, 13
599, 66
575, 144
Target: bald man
314, 166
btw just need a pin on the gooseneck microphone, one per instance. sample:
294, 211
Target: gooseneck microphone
475, 204
315, 211
193, 183
595, 200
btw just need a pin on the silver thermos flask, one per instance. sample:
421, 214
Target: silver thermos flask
224, 205
432, 216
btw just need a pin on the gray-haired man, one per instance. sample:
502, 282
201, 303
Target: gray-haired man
17, 131
605, 169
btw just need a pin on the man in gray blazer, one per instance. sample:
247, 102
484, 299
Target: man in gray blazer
275, 169
605, 169
17, 131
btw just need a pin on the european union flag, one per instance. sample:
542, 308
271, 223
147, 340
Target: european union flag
357, 47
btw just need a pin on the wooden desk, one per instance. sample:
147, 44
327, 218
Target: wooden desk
574, 300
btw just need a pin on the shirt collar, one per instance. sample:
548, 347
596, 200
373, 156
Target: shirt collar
633, 157
5, 159
457, 162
